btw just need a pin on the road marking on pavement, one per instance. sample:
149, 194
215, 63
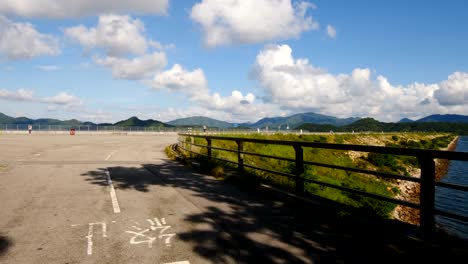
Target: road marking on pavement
148, 236
90, 235
110, 155
115, 203
179, 262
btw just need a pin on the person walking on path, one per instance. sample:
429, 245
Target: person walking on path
204, 128
29, 129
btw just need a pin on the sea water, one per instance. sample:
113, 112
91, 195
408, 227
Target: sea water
453, 200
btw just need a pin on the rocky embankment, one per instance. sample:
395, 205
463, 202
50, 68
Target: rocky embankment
410, 191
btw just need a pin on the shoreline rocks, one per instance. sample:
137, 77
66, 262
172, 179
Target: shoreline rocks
410, 191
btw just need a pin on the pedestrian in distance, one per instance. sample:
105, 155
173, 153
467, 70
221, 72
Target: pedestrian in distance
29, 129
204, 128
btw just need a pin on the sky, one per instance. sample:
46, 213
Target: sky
232, 60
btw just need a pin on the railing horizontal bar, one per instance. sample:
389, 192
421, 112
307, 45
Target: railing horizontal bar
224, 149
292, 176
221, 159
225, 160
376, 196
198, 145
376, 173
452, 186
205, 146
451, 215
267, 156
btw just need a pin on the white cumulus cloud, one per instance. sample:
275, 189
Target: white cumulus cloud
117, 35
23, 41
454, 90
331, 31
63, 99
49, 68
179, 79
136, 68
244, 21
80, 8
234, 103
19, 95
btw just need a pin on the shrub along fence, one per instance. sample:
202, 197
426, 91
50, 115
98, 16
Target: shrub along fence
427, 179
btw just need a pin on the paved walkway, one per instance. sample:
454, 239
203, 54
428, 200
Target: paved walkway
118, 199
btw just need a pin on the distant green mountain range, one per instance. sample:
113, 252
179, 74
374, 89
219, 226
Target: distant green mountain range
449, 118
200, 121
444, 118
4, 119
132, 121
135, 122
307, 121
372, 125
270, 122
302, 118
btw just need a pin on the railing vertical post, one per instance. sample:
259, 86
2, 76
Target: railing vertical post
208, 147
240, 156
299, 168
427, 196
192, 140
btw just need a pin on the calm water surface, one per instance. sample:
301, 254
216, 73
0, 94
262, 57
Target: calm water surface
453, 200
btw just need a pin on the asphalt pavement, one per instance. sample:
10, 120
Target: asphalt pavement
118, 199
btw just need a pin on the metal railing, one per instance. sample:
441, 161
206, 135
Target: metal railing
180, 129
427, 179
24, 127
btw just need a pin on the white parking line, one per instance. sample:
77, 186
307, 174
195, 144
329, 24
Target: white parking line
179, 262
90, 235
110, 155
115, 203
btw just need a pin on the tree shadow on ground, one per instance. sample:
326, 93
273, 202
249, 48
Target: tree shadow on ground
237, 224
5, 244
136, 178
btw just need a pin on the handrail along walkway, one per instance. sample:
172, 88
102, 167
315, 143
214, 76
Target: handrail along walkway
427, 180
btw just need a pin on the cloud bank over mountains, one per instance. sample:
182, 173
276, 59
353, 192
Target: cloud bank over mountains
298, 85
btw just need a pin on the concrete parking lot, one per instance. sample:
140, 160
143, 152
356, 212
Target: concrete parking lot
118, 199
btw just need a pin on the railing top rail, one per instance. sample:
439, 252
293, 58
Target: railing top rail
441, 154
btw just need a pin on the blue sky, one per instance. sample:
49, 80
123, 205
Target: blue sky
238, 61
